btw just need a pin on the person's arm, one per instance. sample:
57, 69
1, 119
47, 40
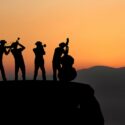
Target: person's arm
7, 51
34, 50
22, 47
44, 52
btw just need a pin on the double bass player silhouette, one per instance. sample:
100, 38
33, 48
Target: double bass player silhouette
63, 63
58, 53
67, 71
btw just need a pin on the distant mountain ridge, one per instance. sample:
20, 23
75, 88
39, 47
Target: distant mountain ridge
109, 85
102, 68
101, 73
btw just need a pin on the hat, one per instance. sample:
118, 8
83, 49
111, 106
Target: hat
62, 44
3, 41
38, 43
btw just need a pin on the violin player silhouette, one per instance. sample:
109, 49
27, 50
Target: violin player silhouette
3, 50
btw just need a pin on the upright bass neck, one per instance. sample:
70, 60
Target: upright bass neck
67, 41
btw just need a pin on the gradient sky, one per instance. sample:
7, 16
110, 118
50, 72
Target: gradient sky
96, 30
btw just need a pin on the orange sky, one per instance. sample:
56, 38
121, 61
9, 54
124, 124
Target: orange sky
96, 30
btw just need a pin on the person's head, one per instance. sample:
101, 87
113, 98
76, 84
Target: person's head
14, 45
3, 42
38, 43
62, 45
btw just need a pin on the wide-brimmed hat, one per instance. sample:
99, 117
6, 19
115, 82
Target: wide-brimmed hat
62, 44
3, 41
38, 43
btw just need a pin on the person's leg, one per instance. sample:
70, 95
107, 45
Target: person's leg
36, 71
3, 73
43, 72
58, 70
54, 72
16, 72
23, 70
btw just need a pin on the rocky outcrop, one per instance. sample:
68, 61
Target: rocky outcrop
54, 101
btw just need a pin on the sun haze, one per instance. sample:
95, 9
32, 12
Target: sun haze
96, 30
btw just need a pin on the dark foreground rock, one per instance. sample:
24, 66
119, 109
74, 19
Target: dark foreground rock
50, 102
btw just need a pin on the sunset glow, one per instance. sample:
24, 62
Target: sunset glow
96, 30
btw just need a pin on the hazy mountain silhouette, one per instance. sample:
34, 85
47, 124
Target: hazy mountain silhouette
99, 73
109, 85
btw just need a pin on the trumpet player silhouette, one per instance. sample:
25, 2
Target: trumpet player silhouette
19, 61
39, 60
58, 53
3, 50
